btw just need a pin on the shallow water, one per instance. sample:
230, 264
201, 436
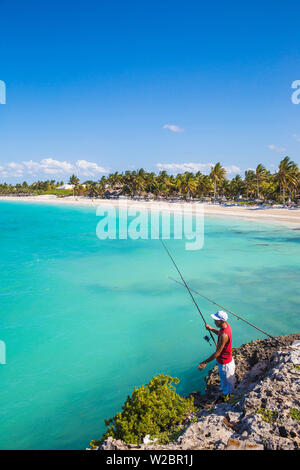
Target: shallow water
85, 320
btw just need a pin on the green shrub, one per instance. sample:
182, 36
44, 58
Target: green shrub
269, 416
233, 400
295, 414
155, 409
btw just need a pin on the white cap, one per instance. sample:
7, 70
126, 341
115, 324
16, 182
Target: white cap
221, 316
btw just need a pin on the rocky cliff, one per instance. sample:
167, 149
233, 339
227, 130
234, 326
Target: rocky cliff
263, 413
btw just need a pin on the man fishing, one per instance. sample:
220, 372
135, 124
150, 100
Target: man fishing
224, 345
223, 353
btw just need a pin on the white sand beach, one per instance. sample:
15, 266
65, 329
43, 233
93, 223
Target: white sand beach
286, 216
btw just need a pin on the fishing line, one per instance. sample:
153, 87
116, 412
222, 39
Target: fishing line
229, 311
185, 284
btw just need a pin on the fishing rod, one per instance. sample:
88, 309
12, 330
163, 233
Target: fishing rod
227, 310
187, 287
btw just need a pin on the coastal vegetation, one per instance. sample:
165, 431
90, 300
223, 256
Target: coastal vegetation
269, 416
155, 410
282, 186
295, 414
265, 416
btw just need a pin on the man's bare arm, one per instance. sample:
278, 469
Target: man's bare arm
220, 346
213, 330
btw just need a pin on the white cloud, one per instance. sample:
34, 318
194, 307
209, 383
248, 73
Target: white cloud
232, 169
15, 166
50, 166
173, 128
31, 166
89, 168
2, 171
194, 167
182, 167
275, 148
15, 169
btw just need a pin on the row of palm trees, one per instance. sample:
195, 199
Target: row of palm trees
258, 183
38, 187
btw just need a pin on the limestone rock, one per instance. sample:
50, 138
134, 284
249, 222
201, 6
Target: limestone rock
236, 444
259, 416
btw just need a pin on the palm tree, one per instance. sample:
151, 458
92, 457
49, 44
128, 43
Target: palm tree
113, 179
249, 181
177, 185
237, 185
140, 184
93, 189
73, 179
287, 175
226, 188
205, 185
189, 184
260, 174
217, 174
164, 183
295, 181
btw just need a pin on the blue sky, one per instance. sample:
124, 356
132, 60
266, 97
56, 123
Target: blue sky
99, 86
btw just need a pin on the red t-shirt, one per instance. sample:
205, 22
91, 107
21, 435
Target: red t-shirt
226, 356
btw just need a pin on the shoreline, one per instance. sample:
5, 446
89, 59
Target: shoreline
262, 413
285, 216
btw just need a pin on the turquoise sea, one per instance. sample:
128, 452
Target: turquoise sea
85, 320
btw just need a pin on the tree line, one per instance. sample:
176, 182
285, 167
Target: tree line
281, 186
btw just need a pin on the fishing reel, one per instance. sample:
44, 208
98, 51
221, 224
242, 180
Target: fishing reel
207, 338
